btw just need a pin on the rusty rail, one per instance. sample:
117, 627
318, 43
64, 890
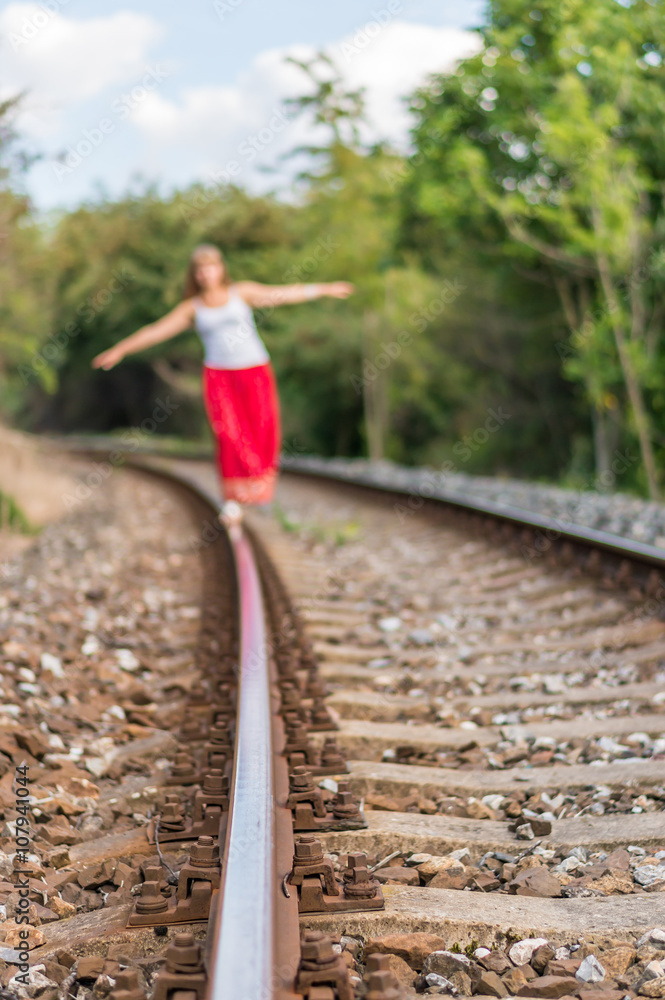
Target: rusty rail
253, 944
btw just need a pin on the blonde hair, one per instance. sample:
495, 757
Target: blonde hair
191, 287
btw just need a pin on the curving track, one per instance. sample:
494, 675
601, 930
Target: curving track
500, 703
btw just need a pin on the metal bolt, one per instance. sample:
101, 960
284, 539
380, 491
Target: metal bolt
219, 734
308, 850
345, 805
198, 694
377, 963
331, 755
190, 730
184, 951
183, 766
204, 853
317, 948
382, 985
301, 779
151, 899
215, 782
127, 986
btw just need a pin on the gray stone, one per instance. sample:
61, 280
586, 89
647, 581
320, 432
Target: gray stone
590, 971
445, 963
433, 979
654, 970
649, 874
520, 953
525, 832
655, 937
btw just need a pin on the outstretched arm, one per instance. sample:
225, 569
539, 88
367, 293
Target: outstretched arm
261, 296
168, 326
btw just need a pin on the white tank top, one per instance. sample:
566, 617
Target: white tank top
229, 335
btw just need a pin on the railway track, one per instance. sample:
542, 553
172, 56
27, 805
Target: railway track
478, 804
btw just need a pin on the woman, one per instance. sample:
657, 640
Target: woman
238, 382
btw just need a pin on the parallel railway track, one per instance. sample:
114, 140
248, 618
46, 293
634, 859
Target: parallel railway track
499, 703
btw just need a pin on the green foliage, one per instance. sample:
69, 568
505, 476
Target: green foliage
512, 265
546, 150
12, 517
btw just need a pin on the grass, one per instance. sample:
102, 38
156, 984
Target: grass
12, 517
335, 534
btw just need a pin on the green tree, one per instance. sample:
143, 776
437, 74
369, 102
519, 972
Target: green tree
548, 146
25, 285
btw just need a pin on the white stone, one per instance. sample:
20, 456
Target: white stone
461, 854
37, 983
567, 865
127, 660
656, 937
48, 661
493, 801
390, 624
418, 859
91, 645
654, 970
445, 963
516, 734
580, 853
96, 766
641, 738
610, 745
590, 971
481, 952
433, 979
520, 953
649, 874
525, 832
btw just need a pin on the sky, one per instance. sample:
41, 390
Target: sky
116, 95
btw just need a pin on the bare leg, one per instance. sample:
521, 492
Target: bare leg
231, 513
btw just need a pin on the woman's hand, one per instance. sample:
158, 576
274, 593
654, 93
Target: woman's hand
108, 359
339, 289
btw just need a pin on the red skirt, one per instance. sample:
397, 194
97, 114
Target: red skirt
243, 410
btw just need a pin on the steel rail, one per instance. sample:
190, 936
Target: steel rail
245, 929
241, 941
551, 527
243, 944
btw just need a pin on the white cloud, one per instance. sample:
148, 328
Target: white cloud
394, 63
233, 122
63, 61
